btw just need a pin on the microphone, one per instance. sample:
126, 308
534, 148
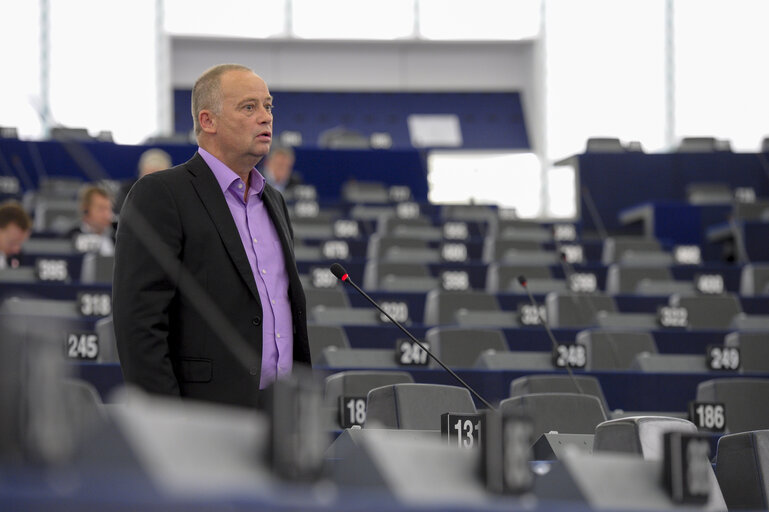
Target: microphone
341, 274
522, 282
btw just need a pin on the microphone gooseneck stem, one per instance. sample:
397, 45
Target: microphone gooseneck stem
550, 334
459, 379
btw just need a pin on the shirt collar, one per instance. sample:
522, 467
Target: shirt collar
227, 178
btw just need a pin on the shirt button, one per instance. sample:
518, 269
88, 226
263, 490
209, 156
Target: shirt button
256, 321
264, 271
252, 371
277, 335
272, 300
255, 241
240, 185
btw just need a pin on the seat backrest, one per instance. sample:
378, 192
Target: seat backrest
622, 279
329, 297
754, 349
377, 271
614, 248
322, 336
415, 406
746, 401
441, 305
754, 279
565, 413
379, 246
585, 384
641, 435
502, 277
105, 330
613, 349
359, 383
365, 192
495, 249
713, 312
18, 275
460, 348
742, 470
576, 310
97, 269
40, 307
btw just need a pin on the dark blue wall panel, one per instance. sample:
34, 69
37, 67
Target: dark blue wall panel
488, 120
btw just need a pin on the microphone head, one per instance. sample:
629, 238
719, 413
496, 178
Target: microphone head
338, 271
522, 280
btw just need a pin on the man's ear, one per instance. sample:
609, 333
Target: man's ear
207, 120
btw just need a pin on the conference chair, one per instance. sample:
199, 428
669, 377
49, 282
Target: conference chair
396, 276
641, 435
746, 401
708, 312
582, 384
503, 277
614, 349
322, 336
577, 310
415, 406
403, 250
460, 347
365, 192
359, 383
754, 350
754, 280
742, 469
441, 306
418, 227
636, 251
97, 269
565, 413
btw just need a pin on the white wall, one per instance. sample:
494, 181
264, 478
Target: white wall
371, 66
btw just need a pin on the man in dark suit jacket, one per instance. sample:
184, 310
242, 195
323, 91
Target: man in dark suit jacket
207, 298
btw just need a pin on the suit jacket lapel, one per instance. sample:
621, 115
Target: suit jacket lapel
213, 201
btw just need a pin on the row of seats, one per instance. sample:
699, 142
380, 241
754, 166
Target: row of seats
332, 307
604, 350
556, 403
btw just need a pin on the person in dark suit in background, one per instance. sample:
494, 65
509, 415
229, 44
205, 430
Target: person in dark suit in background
207, 299
15, 227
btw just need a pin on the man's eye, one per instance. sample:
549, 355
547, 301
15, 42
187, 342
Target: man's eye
269, 108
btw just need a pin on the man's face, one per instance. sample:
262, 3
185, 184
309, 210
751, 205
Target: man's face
99, 214
244, 126
280, 166
12, 237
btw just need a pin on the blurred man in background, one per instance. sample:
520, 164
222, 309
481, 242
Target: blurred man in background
279, 169
15, 227
96, 221
152, 160
207, 298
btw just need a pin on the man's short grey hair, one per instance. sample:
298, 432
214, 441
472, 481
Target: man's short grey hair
207, 91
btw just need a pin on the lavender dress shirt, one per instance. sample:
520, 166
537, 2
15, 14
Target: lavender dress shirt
265, 255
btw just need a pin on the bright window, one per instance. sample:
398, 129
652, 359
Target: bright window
510, 180
103, 68
20, 101
605, 73
226, 18
508, 20
721, 75
352, 19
